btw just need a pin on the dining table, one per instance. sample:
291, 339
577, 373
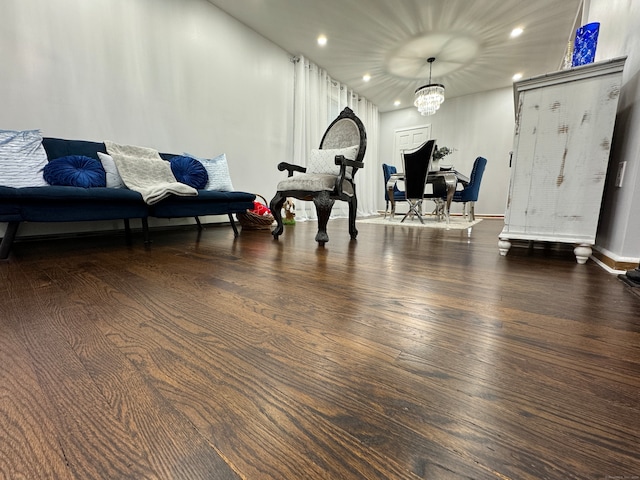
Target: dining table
447, 175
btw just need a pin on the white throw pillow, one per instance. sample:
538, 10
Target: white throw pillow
22, 159
218, 171
114, 180
324, 161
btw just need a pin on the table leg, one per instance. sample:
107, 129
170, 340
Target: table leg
451, 182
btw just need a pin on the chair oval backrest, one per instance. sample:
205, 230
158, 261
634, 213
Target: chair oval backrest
416, 168
346, 130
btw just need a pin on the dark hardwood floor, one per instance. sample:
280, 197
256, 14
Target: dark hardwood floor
410, 353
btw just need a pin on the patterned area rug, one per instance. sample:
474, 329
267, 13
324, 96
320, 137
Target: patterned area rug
456, 223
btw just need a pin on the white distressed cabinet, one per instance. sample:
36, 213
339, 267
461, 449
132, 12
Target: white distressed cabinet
564, 126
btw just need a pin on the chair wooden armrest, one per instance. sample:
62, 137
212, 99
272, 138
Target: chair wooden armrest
291, 168
347, 162
342, 176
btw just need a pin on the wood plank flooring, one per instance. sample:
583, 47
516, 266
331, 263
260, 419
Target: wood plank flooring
409, 353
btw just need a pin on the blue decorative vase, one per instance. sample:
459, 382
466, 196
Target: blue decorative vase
584, 49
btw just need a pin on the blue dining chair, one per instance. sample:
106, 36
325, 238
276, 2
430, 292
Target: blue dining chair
469, 194
398, 195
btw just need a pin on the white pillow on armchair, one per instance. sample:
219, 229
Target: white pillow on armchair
324, 160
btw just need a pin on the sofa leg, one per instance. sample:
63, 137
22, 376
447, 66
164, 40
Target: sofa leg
7, 240
233, 224
198, 223
127, 231
145, 231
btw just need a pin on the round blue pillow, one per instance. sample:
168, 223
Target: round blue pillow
190, 171
75, 171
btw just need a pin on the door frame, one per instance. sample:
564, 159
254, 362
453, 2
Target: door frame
397, 159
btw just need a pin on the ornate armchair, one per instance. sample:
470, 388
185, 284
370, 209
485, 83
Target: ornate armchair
329, 176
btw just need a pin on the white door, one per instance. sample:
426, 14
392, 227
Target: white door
408, 139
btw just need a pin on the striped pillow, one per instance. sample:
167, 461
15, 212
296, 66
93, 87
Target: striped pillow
22, 159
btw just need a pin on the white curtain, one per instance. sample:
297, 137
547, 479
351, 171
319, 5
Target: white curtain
318, 99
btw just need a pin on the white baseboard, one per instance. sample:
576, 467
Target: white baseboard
613, 262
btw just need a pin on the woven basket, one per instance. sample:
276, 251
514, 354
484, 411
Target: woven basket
251, 221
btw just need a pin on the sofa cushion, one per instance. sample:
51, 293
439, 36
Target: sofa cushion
208, 202
60, 147
218, 171
74, 204
22, 158
75, 171
10, 204
190, 171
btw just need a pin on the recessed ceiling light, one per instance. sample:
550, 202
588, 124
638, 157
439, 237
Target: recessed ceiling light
366, 77
516, 32
322, 40
396, 103
517, 77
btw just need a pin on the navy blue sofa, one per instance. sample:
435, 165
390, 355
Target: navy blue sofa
72, 204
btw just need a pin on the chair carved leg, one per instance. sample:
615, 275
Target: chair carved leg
276, 210
324, 204
353, 209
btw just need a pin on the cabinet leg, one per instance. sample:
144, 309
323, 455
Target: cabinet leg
582, 253
504, 245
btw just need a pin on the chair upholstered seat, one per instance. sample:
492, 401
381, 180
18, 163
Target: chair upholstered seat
329, 175
314, 182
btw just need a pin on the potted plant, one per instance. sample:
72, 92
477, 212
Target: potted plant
439, 154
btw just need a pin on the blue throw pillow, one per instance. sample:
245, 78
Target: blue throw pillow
190, 171
75, 171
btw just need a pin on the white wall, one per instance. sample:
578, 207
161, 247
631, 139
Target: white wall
475, 125
619, 229
175, 75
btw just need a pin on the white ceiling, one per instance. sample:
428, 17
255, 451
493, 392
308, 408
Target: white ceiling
391, 40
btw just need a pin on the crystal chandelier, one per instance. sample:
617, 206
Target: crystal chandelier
429, 97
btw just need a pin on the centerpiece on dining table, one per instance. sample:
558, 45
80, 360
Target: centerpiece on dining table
439, 154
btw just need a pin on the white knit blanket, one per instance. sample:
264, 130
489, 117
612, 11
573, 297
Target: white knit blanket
144, 171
